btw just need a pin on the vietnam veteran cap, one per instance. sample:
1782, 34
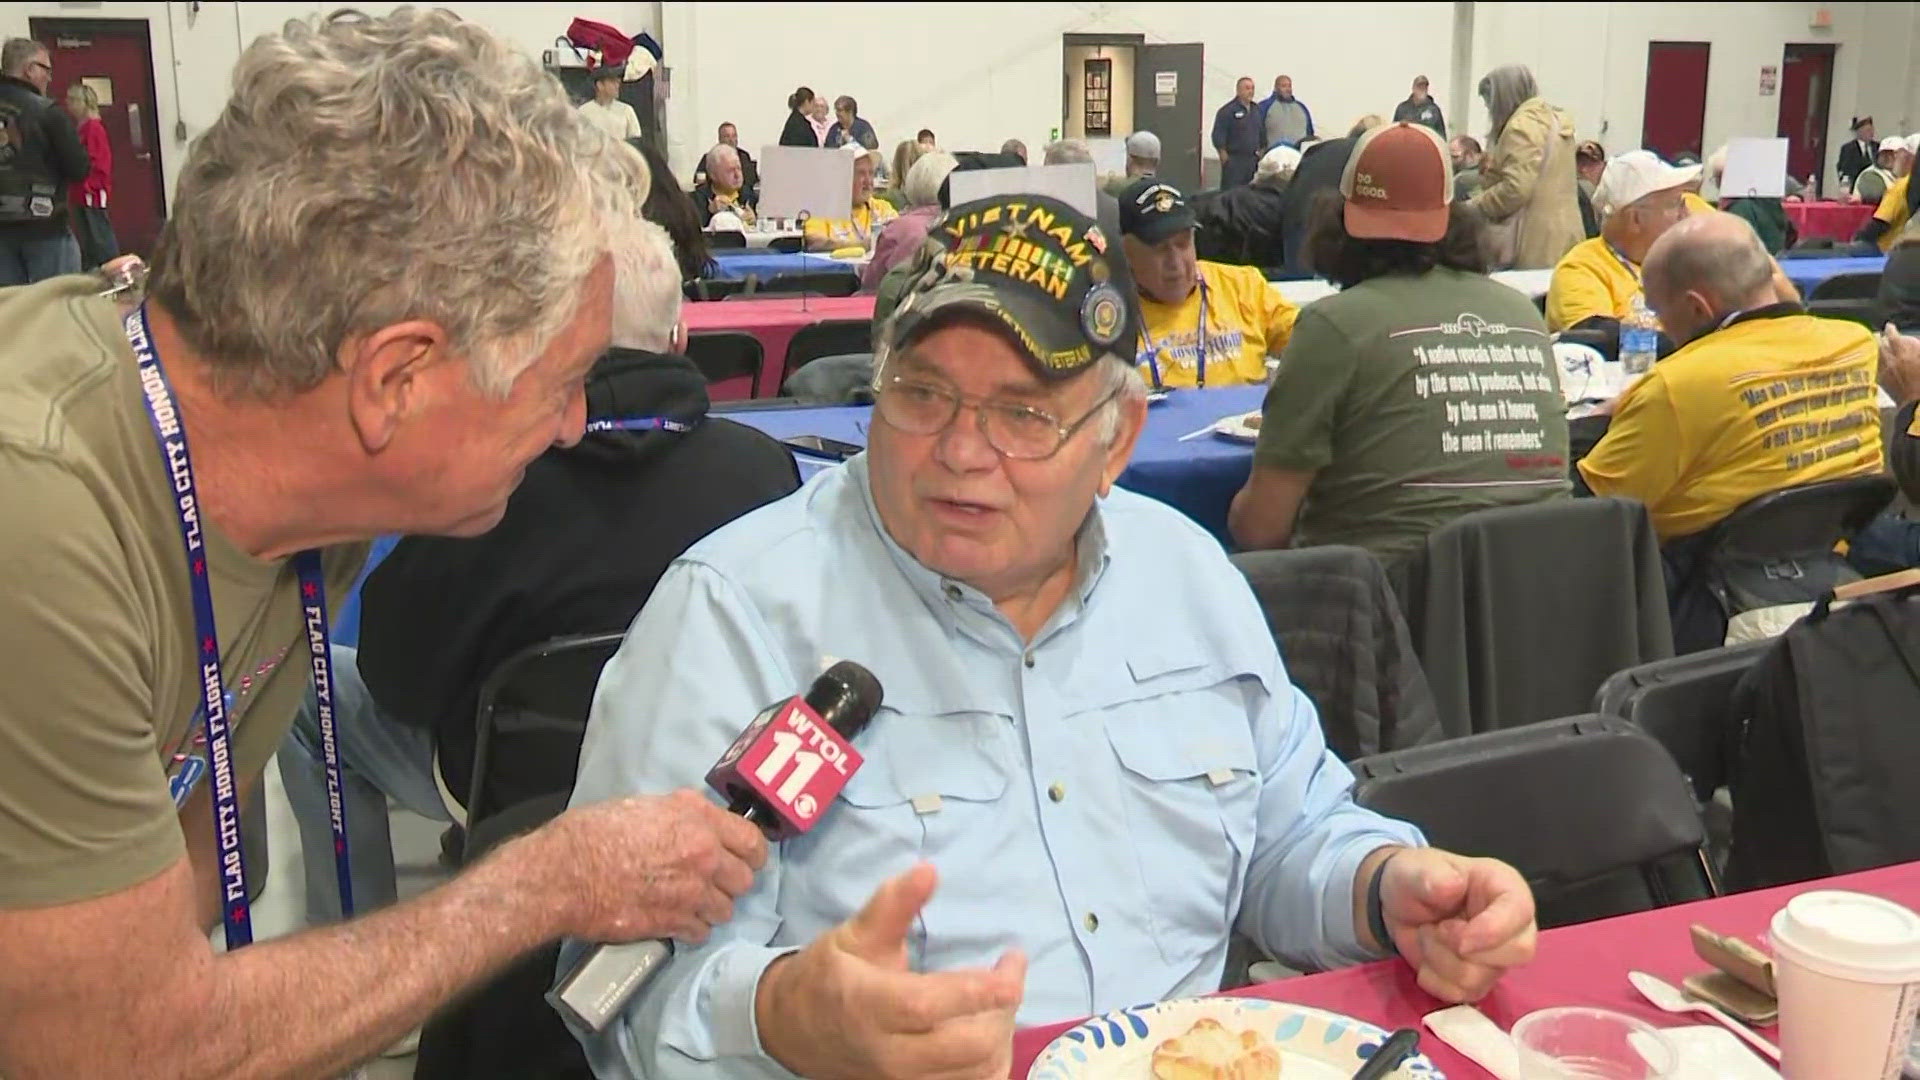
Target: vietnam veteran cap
1038, 266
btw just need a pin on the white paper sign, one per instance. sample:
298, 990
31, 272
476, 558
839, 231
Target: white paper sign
1166, 82
1071, 184
805, 178
1109, 155
1755, 167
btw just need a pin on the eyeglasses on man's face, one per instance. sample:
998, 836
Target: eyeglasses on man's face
1015, 431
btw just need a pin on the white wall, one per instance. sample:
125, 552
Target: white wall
194, 52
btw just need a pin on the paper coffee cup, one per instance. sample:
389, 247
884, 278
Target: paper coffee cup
1847, 967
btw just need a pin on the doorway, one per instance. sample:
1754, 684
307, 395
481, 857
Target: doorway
1113, 85
1675, 113
115, 57
1806, 90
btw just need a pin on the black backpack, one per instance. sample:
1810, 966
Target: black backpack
1825, 750
29, 191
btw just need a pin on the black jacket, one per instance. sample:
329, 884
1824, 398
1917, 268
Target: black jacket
1319, 170
40, 154
1241, 225
1854, 160
1427, 112
1899, 298
703, 200
749, 174
798, 132
583, 542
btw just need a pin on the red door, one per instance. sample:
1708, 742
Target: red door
1806, 89
113, 57
1676, 107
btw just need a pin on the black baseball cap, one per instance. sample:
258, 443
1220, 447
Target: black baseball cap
1037, 266
1152, 210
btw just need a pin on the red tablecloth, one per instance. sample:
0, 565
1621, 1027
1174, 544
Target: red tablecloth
1838, 221
1576, 965
774, 323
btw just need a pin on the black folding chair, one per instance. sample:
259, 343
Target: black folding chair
1590, 809
1791, 533
787, 245
725, 355
540, 695
716, 288
812, 283
1852, 310
1682, 702
829, 337
727, 240
1854, 285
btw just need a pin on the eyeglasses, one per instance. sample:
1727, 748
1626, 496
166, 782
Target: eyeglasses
1015, 431
42, 65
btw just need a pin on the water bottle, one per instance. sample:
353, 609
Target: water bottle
1639, 338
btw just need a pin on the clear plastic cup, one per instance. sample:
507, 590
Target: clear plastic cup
1591, 1044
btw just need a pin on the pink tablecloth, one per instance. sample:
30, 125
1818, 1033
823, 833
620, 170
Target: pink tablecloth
1576, 965
1838, 221
774, 323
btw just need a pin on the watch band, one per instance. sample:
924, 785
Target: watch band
1377, 908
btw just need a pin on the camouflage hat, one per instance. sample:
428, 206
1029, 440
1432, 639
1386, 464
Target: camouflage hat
1035, 264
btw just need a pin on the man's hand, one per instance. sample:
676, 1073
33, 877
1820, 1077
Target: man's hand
1460, 922
847, 1007
1899, 365
650, 866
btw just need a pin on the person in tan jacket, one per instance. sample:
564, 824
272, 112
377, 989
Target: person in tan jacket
1527, 194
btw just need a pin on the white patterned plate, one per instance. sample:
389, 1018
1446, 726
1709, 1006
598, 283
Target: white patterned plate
1314, 1044
1243, 428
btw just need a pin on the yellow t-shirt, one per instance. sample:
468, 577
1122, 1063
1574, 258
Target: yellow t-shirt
1766, 403
832, 234
1590, 280
1247, 321
1893, 210
1695, 204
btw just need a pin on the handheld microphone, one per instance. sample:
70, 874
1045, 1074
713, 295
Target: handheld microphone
780, 774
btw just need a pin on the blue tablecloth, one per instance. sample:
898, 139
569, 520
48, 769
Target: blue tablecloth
737, 264
1198, 477
1806, 273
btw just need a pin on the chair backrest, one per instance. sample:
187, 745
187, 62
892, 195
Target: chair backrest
1853, 285
1337, 623
547, 690
1519, 613
842, 379
727, 240
828, 337
725, 355
812, 282
787, 245
1812, 247
1851, 310
1589, 809
1683, 702
1801, 519
716, 288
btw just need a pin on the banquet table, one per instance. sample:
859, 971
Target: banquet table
758, 239
1834, 220
1806, 273
774, 321
1575, 965
1197, 477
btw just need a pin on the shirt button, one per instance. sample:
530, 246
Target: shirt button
1058, 792
953, 592
1029, 661
1093, 922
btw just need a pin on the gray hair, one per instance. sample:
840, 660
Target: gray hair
16, 53
1718, 255
646, 290
371, 170
1067, 152
1505, 89
922, 185
720, 150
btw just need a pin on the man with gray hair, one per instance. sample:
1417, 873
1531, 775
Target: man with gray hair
357, 336
724, 190
1092, 851
40, 155
1759, 395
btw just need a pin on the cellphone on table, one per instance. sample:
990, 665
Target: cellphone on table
821, 446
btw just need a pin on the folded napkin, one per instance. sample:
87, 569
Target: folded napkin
1708, 1052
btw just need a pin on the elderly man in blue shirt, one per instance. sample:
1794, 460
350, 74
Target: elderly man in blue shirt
1087, 733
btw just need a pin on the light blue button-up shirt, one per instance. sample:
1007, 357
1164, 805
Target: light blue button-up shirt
1113, 798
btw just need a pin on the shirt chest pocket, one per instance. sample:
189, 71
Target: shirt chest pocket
1189, 792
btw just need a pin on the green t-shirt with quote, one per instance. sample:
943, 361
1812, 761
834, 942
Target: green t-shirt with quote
1414, 399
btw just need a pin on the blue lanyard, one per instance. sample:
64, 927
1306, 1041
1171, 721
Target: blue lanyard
640, 423
1624, 261
1153, 350
172, 440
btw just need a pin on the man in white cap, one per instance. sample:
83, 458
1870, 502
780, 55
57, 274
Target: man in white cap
1639, 197
1143, 154
1897, 205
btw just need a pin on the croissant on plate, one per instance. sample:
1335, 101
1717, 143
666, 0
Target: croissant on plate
1208, 1051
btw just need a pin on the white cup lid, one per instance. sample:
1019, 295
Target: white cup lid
1850, 935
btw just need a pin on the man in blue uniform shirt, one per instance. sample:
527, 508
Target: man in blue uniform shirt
1087, 728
